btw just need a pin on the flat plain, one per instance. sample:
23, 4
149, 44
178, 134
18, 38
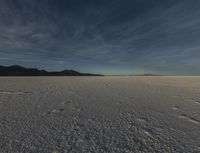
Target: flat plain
99, 114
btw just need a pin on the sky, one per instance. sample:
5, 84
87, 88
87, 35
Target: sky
102, 36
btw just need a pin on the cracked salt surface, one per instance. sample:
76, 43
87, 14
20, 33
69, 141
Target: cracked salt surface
99, 114
190, 119
13, 92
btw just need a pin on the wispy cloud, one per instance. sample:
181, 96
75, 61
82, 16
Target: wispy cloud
161, 36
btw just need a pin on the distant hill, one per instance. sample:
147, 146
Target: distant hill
148, 75
16, 70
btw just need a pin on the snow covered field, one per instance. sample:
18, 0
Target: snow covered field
99, 114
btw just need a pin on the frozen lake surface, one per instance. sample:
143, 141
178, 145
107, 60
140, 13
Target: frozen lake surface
99, 114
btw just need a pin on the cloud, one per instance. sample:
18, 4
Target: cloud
161, 36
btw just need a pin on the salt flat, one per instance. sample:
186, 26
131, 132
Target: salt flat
99, 114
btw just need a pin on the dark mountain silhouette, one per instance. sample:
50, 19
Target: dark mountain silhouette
16, 70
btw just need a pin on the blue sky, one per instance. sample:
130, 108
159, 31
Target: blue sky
102, 36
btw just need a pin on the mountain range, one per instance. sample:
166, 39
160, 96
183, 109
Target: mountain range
16, 70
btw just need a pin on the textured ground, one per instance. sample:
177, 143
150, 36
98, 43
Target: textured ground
99, 114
